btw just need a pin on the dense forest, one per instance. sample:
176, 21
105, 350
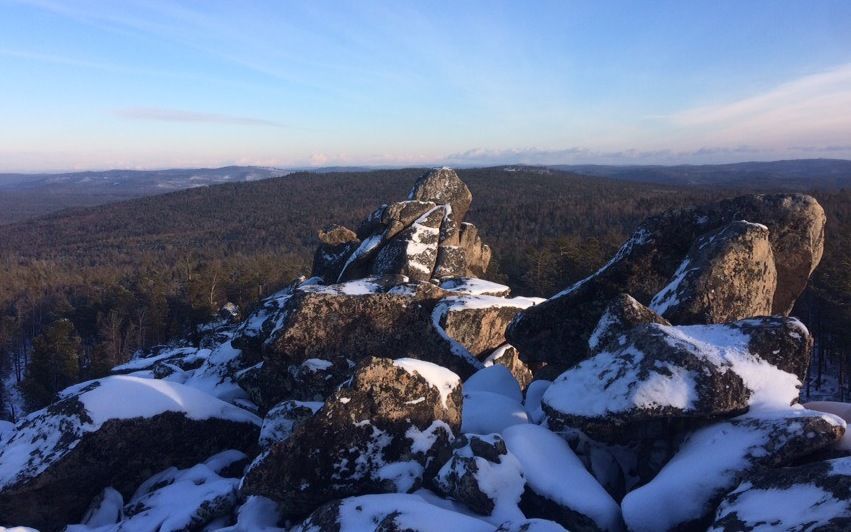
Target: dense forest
82, 289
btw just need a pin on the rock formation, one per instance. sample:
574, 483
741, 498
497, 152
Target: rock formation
399, 391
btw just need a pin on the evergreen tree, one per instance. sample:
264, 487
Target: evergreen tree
54, 363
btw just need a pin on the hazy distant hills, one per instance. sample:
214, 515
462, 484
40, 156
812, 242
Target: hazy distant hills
25, 196
800, 174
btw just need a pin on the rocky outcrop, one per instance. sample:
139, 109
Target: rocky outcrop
64, 455
811, 497
557, 330
328, 329
283, 418
388, 430
422, 238
715, 459
727, 275
655, 379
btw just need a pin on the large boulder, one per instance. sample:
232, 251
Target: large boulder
656, 378
114, 432
728, 274
388, 430
506, 355
810, 497
331, 328
557, 330
715, 459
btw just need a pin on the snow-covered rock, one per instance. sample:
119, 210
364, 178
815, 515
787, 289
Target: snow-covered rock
558, 330
810, 497
494, 379
662, 374
389, 512
715, 459
474, 287
413, 252
559, 487
727, 275
484, 476
390, 428
478, 322
109, 432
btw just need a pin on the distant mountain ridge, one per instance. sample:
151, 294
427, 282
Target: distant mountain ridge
25, 196
795, 174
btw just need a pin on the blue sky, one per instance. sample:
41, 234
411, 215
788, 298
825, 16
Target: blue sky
149, 84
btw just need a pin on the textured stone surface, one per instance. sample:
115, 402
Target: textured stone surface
727, 275
384, 433
557, 331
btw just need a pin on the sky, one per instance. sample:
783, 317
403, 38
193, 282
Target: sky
156, 84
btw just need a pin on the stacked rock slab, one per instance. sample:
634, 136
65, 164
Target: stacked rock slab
422, 238
557, 331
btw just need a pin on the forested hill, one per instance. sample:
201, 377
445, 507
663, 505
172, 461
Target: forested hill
138, 273
798, 174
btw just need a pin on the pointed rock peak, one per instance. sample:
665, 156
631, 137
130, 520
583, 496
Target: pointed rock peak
443, 186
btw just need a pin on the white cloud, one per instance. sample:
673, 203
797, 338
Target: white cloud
811, 110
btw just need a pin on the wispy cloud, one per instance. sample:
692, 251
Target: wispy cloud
813, 109
159, 114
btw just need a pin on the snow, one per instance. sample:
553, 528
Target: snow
495, 379
668, 296
44, 437
441, 378
108, 511
364, 248
474, 286
422, 440
411, 512
534, 393
612, 382
177, 499
359, 287
553, 471
771, 388
403, 475
707, 463
257, 514
477, 302
277, 426
164, 354
502, 481
799, 507
150, 397
488, 412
